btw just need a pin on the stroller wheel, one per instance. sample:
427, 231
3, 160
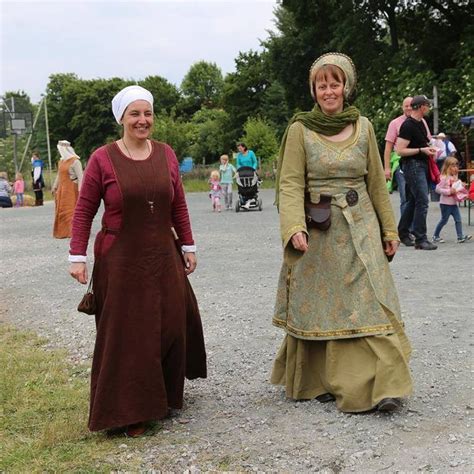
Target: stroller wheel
260, 204
237, 206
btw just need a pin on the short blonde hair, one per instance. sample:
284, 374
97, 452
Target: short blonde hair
18, 175
215, 174
225, 157
3, 174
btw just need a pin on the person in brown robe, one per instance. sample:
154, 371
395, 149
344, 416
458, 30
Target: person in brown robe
66, 189
149, 332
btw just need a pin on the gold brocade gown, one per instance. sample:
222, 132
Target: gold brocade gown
338, 302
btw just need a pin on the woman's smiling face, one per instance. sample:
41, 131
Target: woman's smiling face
137, 120
329, 87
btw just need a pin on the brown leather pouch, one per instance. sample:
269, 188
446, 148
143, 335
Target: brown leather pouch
88, 304
318, 216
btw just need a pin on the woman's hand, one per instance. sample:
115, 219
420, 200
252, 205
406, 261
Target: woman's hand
300, 241
390, 247
190, 262
78, 270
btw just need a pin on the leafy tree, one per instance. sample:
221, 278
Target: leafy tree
165, 95
202, 86
261, 138
244, 90
177, 134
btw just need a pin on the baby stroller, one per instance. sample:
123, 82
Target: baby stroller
247, 185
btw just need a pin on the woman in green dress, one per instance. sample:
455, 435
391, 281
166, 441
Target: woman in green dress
336, 297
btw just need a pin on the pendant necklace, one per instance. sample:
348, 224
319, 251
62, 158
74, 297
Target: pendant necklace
150, 202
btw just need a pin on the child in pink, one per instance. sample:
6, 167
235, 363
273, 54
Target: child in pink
452, 192
216, 191
19, 189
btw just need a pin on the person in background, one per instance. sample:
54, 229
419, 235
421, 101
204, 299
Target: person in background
392, 159
413, 145
144, 347
66, 189
19, 189
5, 190
445, 148
246, 157
449, 187
215, 192
336, 296
227, 172
37, 175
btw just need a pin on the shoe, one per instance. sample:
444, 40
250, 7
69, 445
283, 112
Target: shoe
135, 430
464, 238
246, 205
437, 240
325, 398
389, 404
407, 241
411, 236
425, 246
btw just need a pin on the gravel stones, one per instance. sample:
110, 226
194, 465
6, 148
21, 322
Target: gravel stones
235, 420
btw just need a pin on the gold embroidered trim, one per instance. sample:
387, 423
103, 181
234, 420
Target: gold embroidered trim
338, 332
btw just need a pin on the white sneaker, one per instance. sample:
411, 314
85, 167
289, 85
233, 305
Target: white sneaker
246, 205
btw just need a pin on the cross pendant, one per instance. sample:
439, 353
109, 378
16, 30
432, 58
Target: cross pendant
152, 206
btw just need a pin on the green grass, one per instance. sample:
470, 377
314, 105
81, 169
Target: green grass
43, 413
200, 185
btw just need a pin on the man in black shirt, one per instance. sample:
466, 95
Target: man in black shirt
413, 146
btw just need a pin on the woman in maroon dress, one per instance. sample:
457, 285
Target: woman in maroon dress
144, 344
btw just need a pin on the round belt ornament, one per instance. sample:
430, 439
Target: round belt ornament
352, 197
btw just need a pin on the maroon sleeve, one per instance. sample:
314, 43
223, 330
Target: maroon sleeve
87, 205
179, 208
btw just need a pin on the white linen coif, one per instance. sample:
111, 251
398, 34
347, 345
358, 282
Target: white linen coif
126, 96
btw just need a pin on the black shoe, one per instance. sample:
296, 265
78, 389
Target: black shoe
389, 404
407, 241
325, 398
425, 246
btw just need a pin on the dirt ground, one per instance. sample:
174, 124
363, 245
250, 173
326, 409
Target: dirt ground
235, 420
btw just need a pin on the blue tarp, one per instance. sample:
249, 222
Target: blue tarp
186, 165
468, 121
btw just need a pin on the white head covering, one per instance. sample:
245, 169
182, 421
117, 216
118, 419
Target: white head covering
126, 96
66, 150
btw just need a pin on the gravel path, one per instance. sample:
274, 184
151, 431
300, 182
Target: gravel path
235, 420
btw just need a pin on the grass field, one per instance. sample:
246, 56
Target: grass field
43, 413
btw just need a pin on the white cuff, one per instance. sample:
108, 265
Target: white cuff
77, 258
188, 248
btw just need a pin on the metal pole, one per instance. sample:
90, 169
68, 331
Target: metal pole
31, 134
47, 142
435, 110
15, 161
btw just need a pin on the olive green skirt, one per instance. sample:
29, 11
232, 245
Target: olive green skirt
359, 372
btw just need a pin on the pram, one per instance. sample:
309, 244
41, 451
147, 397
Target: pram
247, 185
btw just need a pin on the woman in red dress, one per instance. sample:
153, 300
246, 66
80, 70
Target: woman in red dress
143, 347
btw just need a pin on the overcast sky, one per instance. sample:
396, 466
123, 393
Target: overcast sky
129, 39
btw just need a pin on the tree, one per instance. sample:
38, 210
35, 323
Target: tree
244, 90
165, 94
210, 139
261, 138
202, 86
177, 134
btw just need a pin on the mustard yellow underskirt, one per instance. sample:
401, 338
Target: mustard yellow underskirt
359, 372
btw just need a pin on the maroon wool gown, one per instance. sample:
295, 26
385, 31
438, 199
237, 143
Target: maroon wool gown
140, 286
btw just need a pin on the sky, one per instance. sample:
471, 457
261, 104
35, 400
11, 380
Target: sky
129, 39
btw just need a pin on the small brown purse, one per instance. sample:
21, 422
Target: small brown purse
88, 303
318, 216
